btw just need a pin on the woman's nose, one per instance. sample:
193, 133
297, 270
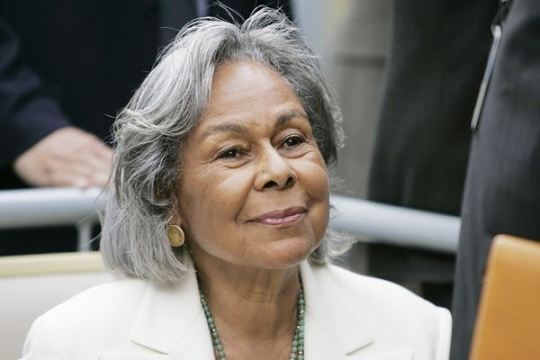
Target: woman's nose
274, 171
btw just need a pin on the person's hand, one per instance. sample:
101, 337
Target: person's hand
66, 157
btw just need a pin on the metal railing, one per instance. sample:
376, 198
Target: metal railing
52, 207
364, 219
395, 225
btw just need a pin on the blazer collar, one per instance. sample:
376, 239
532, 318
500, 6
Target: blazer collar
171, 320
333, 325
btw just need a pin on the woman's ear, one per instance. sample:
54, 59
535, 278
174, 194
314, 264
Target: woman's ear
176, 213
177, 218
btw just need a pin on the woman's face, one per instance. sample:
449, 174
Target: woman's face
254, 185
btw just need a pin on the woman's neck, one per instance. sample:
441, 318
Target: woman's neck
242, 299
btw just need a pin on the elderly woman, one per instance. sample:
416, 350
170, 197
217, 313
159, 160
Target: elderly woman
218, 220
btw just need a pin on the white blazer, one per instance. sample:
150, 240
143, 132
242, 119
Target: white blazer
348, 316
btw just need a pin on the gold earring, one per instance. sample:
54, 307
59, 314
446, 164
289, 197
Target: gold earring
176, 235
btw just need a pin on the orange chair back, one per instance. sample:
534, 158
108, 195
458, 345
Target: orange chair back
508, 323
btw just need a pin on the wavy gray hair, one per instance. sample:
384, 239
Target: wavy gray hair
150, 131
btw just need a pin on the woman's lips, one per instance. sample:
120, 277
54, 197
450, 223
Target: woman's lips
282, 217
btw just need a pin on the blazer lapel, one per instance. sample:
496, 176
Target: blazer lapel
332, 328
171, 321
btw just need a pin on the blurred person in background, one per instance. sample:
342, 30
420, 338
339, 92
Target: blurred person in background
66, 68
360, 54
218, 214
502, 191
438, 53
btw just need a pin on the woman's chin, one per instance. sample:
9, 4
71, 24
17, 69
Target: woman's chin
285, 253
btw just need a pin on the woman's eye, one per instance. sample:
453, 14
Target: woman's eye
230, 153
294, 140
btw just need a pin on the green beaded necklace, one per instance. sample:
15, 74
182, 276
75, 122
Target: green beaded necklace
297, 348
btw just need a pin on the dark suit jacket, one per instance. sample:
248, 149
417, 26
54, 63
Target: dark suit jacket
502, 192
438, 53
77, 63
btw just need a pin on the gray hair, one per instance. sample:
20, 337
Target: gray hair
150, 131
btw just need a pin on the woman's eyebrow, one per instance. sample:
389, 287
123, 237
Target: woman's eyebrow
285, 117
225, 128
233, 127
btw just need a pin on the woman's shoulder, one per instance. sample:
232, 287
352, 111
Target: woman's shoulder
395, 317
360, 284
99, 297
96, 305
78, 320
379, 295
99, 304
